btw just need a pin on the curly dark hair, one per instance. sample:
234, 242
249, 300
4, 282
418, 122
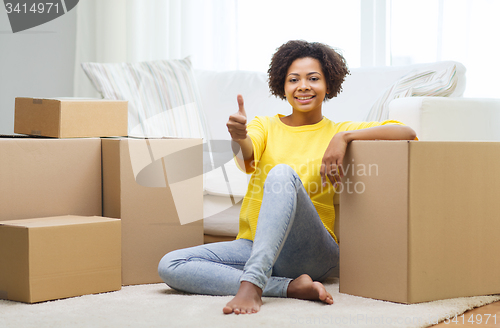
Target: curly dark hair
332, 62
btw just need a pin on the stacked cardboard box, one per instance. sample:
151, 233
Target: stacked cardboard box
156, 187
42, 177
57, 257
48, 177
71, 117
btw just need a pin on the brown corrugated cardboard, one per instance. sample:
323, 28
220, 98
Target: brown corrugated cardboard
71, 117
57, 257
49, 177
153, 185
420, 220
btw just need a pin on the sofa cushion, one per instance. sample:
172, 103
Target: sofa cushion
227, 180
163, 96
427, 81
449, 119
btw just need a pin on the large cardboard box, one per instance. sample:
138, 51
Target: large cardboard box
421, 220
155, 186
71, 117
58, 257
49, 177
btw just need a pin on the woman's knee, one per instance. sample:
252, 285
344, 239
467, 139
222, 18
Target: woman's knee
168, 264
281, 174
280, 170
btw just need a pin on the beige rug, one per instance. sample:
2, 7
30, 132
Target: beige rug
159, 306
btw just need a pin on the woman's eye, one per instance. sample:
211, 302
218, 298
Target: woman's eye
293, 80
314, 78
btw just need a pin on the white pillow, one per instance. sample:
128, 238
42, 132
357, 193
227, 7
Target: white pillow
424, 83
163, 96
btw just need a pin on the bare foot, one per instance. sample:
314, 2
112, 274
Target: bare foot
305, 288
248, 299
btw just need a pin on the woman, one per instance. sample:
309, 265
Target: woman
285, 246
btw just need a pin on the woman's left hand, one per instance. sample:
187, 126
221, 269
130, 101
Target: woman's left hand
331, 165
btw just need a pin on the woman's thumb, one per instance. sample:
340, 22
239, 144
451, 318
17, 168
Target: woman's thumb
241, 107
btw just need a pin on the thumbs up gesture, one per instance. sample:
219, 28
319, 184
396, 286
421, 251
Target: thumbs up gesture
237, 124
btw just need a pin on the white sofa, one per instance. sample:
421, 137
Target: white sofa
433, 118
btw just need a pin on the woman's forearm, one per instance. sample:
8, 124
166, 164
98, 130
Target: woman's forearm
243, 151
384, 132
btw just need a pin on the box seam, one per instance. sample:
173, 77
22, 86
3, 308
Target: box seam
60, 120
30, 287
102, 179
120, 145
408, 290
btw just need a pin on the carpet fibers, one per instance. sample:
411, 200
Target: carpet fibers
157, 305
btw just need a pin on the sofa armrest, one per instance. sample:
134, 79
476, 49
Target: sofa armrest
449, 119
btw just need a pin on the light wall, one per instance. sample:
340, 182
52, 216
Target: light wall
38, 62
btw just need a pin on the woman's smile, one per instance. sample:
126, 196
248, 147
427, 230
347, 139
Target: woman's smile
304, 99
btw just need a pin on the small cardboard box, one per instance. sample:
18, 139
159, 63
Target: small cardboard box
420, 220
57, 257
42, 177
71, 117
155, 186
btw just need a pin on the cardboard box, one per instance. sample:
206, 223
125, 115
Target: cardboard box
58, 257
156, 187
71, 117
421, 220
49, 177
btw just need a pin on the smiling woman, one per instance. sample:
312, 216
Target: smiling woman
286, 246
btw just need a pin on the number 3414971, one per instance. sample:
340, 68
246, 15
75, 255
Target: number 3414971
477, 319
36, 8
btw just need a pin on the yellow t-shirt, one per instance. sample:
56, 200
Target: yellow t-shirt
302, 148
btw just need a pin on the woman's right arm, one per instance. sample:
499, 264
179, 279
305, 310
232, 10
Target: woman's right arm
241, 143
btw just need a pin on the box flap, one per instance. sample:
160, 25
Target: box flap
69, 99
177, 164
55, 221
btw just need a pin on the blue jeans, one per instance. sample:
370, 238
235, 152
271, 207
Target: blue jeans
290, 240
